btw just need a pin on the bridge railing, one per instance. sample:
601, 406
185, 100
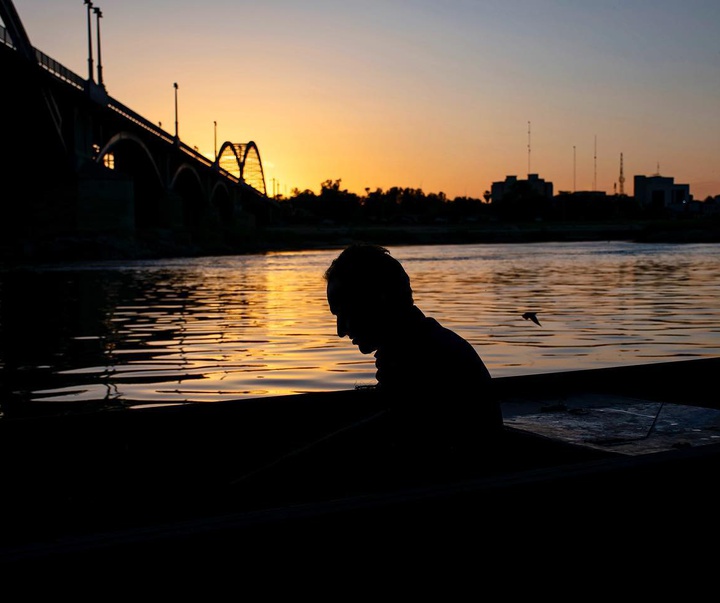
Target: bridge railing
47, 63
5, 37
69, 77
59, 71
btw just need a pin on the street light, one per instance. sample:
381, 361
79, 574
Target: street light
177, 137
90, 59
215, 124
98, 12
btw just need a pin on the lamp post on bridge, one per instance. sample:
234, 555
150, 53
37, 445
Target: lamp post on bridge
177, 137
89, 28
215, 139
99, 14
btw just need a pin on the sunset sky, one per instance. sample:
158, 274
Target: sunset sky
446, 96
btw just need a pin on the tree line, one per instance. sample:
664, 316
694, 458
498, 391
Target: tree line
397, 205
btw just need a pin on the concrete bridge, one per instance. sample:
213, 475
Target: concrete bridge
78, 165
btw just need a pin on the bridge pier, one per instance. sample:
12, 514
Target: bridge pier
106, 206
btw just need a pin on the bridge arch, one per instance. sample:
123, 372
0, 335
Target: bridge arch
185, 170
121, 137
242, 160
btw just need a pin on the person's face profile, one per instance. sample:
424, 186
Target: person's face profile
357, 316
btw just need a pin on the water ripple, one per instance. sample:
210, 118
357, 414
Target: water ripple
210, 329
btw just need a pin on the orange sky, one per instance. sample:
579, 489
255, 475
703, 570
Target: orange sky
443, 96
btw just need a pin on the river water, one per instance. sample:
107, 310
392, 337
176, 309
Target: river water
124, 334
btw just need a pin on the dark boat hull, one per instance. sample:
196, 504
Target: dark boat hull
261, 477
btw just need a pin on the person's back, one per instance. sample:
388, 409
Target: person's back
437, 383
439, 391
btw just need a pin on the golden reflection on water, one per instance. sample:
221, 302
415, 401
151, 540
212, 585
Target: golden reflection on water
210, 329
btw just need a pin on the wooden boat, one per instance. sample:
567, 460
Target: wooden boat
590, 456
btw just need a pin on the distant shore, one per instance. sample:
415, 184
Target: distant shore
328, 236
314, 237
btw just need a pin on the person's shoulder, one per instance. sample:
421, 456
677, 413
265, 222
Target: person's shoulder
454, 351
445, 335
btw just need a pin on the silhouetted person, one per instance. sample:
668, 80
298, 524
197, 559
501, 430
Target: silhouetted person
438, 390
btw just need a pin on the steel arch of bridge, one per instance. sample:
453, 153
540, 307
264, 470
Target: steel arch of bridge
242, 160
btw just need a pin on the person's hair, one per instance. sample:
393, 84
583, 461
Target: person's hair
362, 267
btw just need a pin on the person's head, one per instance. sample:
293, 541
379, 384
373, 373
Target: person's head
367, 289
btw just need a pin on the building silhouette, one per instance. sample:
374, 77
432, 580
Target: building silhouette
661, 192
533, 183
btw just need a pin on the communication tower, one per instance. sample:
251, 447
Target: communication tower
621, 179
528, 145
595, 165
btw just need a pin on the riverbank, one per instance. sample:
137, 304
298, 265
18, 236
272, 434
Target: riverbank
328, 236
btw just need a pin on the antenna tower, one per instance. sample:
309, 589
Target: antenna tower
528, 148
595, 166
621, 179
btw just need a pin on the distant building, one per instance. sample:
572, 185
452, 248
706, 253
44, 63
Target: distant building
661, 192
534, 182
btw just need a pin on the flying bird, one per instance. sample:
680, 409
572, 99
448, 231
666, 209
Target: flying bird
532, 316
